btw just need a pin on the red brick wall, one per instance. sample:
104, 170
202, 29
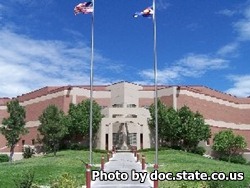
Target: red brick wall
103, 101
167, 100
28, 140
3, 114
215, 111
66, 101
33, 111
2, 142
80, 99
145, 102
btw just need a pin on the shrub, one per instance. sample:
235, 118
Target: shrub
238, 159
100, 151
198, 150
77, 146
28, 151
65, 181
4, 158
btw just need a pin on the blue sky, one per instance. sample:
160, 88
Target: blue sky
42, 43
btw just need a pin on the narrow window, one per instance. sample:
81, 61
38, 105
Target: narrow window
208, 142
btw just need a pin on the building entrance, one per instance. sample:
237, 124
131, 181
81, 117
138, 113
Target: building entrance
123, 139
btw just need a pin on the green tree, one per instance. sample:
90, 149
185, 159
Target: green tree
78, 118
52, 128
193, 128
182, 127
168, 122
14, 126
226, 143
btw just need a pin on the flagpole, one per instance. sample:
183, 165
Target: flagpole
155, 86
91, 86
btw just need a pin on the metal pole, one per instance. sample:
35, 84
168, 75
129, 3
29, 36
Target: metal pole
91, 86
155, 85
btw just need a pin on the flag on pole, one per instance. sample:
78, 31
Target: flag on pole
147, 12
85, 8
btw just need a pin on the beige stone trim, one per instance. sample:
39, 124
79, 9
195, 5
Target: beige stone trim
44, 98
29, 124
213, 99
74, 92
175, 97
146, 94
3, 107
165, 92
32, 124
161, 93
86, 93
223, 124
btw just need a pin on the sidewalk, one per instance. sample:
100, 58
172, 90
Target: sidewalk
124, 162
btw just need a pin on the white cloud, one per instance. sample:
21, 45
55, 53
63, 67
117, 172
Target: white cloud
242, 26
163, 76
243, 29
227, 12
229, 49
241, 86
193, 65
27, 64
202, 62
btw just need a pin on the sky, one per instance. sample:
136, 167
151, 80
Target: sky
42, 43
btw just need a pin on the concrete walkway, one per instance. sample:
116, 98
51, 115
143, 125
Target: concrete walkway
123, 162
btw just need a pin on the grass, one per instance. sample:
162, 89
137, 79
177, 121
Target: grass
47, 168
177, 161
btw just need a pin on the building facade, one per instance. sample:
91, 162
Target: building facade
125, 109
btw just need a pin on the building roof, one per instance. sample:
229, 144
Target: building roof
193, 88
217, 94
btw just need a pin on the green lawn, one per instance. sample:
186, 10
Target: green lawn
177, 161
48, 167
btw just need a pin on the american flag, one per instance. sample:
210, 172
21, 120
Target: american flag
85, 8
147, 12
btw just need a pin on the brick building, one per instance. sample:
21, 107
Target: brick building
125, 109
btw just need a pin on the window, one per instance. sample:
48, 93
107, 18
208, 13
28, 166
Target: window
117, 105
117, 138
131, 116
208, 142
116, 115
23, 142
132, 139
33, 141
131, 105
